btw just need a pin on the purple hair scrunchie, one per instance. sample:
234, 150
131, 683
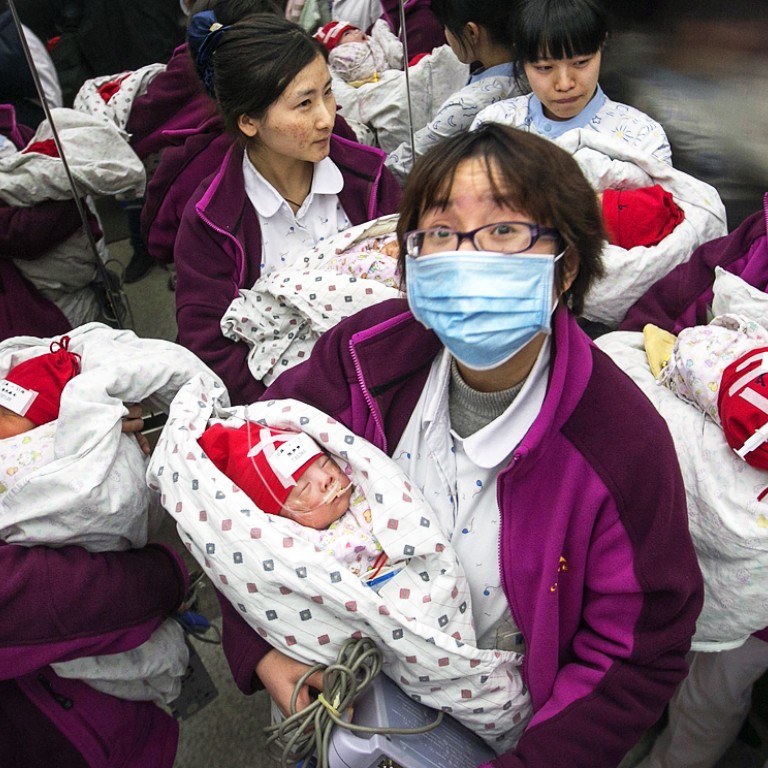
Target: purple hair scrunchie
203, 36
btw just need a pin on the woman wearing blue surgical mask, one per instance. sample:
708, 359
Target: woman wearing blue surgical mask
555, 475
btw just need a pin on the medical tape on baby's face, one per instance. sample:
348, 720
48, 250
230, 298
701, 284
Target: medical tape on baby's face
740, 388
296, 449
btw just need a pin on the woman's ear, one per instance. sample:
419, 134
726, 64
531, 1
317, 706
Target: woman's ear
248, 125
472, 33
570, 270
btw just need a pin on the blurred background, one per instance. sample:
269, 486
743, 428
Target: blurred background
701, 70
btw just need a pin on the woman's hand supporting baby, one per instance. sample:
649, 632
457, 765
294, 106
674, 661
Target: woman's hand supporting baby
280, 673
133, 422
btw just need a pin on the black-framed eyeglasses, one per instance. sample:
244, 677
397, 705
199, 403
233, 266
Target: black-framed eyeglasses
502, 237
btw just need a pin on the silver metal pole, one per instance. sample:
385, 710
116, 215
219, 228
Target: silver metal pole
406, 58
105, 275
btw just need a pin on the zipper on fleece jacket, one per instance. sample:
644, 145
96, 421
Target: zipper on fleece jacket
373, 201
221, 231
516, 457
63, 701
367, 395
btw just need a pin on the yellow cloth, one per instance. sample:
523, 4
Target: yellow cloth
658, 346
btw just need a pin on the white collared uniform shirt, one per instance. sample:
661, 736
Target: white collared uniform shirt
458, 479
286, 237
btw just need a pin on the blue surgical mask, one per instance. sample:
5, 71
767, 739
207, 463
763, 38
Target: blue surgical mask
484, 306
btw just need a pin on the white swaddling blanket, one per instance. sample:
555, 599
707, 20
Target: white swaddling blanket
92, 491
728, 523
301, 601
383, 106
102, 163
98, 155
609, 163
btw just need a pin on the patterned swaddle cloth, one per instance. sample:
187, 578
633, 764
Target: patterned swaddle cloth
286, 311
302, 601
726, 499
24, 453
701, 354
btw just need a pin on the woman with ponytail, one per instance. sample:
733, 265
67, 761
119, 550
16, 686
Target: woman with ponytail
285, 184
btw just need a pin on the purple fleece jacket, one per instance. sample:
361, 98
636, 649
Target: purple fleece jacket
19, 134
24, 311
218, 251
193, 156
425, 32
60, 604
175, 101
595, 556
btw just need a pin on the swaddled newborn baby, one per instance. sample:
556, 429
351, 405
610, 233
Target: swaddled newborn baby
29, 400
357, 58
288, 474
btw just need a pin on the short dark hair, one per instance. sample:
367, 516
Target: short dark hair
496, 16
528, 173
254, 62
559, 29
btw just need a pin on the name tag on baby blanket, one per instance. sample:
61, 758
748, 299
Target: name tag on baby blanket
16, 398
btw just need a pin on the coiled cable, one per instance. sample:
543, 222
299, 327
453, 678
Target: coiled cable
302, 734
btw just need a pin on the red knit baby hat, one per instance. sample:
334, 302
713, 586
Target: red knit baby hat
640, 217
742, 403
265, 465
33, 388
330, 34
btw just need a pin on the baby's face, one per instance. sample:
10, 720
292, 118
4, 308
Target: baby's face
321, 495
11, 424
353, 36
